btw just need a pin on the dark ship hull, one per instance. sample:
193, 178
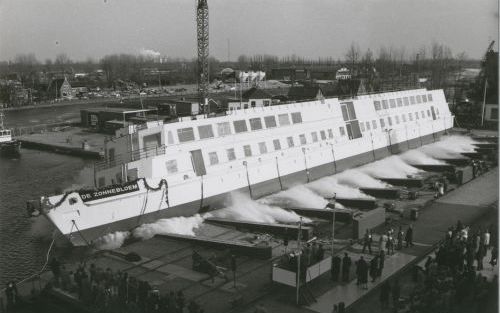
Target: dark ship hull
10, 148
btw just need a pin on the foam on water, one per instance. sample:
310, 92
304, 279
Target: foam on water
449, 147
418, 157
176, 225
329, 187
358, 179
390, 167
298, 197
111, 241
242, 208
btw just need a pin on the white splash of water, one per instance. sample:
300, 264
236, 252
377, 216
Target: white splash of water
296, 197
390, 167
329, 187
358, 179
418, 157
111, 241
449, 147
176, 225
242, 208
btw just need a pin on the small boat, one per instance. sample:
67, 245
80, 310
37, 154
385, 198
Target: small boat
8, 147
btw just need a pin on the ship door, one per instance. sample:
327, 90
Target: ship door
198, 164
433, 112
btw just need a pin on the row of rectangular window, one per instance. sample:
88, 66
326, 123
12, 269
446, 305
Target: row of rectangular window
240, 126
399, 102
247, 149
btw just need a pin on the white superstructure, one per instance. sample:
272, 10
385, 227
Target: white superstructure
161, 170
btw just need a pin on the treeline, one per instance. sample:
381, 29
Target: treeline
435, 61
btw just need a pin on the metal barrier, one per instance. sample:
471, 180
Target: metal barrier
130, 156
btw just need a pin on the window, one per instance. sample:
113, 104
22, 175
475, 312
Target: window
377, 105
330, 133
223, 129
230, 154
400, 102
389, 121
392, 103
416, 115
205, 131
397, 119
185, 134
214, 159
289, 140
350, 110
277, 144
323, 135
428, 113
314, 136
429, 97
245, 106
267, 103
424, 98
374, 124
382, 123
410, 116
406, 101
403, 117
384, 104
262, 148
252, 103
302, 139
101, 182
171, 166
368, 126
342, 131
283, 119
296, 117
255, 123
423, 114
362, 126
240, 126
270, 121
345, 115
419, 99
412, 99
247, 150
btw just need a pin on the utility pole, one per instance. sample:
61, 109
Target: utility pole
298, 262
333, 220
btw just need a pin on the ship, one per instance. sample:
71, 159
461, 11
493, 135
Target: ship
8, 147
160, 170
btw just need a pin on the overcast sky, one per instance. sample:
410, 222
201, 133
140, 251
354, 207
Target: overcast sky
310, 28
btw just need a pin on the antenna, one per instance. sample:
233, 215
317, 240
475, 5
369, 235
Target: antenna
202, 36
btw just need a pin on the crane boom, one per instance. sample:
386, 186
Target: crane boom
202, 36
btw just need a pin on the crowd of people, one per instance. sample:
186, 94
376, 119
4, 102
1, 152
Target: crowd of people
452, 277
109, 291
309, 254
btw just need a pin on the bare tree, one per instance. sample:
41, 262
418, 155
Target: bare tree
352, 56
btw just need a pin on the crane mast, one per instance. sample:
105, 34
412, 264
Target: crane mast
202, 70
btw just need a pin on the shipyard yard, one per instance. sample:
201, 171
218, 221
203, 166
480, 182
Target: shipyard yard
170, 259
233, 156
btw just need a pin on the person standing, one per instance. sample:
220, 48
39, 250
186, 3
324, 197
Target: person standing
55, 267
494, 256
400, 238
335, 270
486, 239
381, 262
409, 236
374, 263
367, 242
11, 294
346, 267
362, 271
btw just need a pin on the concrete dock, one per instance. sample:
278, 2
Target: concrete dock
66, 140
